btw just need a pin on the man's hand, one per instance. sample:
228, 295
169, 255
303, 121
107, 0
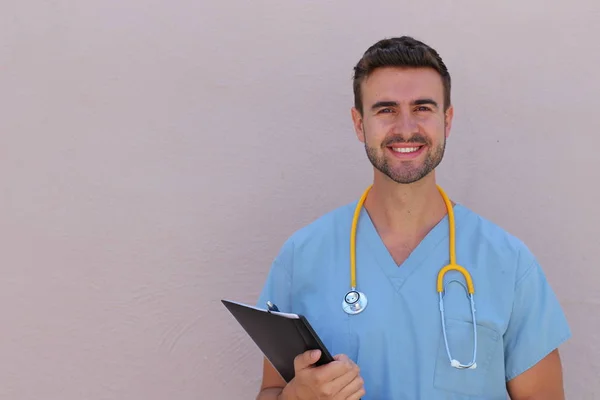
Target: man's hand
337, 380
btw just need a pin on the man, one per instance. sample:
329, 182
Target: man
397, 347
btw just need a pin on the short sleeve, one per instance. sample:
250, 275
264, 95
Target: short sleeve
537, 325
278, 286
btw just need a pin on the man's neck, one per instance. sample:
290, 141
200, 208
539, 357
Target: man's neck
405, 210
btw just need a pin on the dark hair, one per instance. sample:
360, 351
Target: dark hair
402, 51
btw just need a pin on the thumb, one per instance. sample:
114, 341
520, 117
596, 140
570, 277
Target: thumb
306, 359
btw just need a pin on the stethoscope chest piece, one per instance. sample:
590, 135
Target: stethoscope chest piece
354, 302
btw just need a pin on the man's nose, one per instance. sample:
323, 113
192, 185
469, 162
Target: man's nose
405, 123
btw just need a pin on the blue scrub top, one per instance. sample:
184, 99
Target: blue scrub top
397, 340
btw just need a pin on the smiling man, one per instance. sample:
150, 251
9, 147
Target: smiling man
366, 275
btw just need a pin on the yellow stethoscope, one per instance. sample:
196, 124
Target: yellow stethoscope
355, 302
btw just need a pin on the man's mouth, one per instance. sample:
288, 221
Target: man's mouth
406, 150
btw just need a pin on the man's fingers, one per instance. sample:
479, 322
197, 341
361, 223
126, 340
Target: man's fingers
306, 359
339, 383
353, 390
328, 372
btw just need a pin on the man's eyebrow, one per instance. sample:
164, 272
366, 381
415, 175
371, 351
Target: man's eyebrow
420, 102
380, 104
417, 102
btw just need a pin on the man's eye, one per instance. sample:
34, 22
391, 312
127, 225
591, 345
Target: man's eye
423, 108
386, 110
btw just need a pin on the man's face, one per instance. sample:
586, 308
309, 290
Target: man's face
403, 126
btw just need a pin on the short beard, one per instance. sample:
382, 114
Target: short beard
407, 175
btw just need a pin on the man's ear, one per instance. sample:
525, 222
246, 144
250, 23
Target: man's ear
357, 121
448, 117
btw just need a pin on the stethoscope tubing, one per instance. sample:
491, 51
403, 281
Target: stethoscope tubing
355, 302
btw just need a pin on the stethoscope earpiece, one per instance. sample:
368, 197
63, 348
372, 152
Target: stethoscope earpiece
354, 302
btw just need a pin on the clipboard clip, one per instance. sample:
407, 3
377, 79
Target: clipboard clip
271, 307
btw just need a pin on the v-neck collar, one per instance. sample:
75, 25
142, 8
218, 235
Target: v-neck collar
398, 274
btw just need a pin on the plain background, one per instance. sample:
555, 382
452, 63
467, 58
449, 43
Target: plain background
155, 155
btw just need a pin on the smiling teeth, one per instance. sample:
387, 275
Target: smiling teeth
405, 149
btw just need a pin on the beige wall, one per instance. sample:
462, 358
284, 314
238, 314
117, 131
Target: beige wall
155, 155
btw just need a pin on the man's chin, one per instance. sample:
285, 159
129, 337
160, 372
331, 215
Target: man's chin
405, 177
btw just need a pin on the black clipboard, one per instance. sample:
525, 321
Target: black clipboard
280, 336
